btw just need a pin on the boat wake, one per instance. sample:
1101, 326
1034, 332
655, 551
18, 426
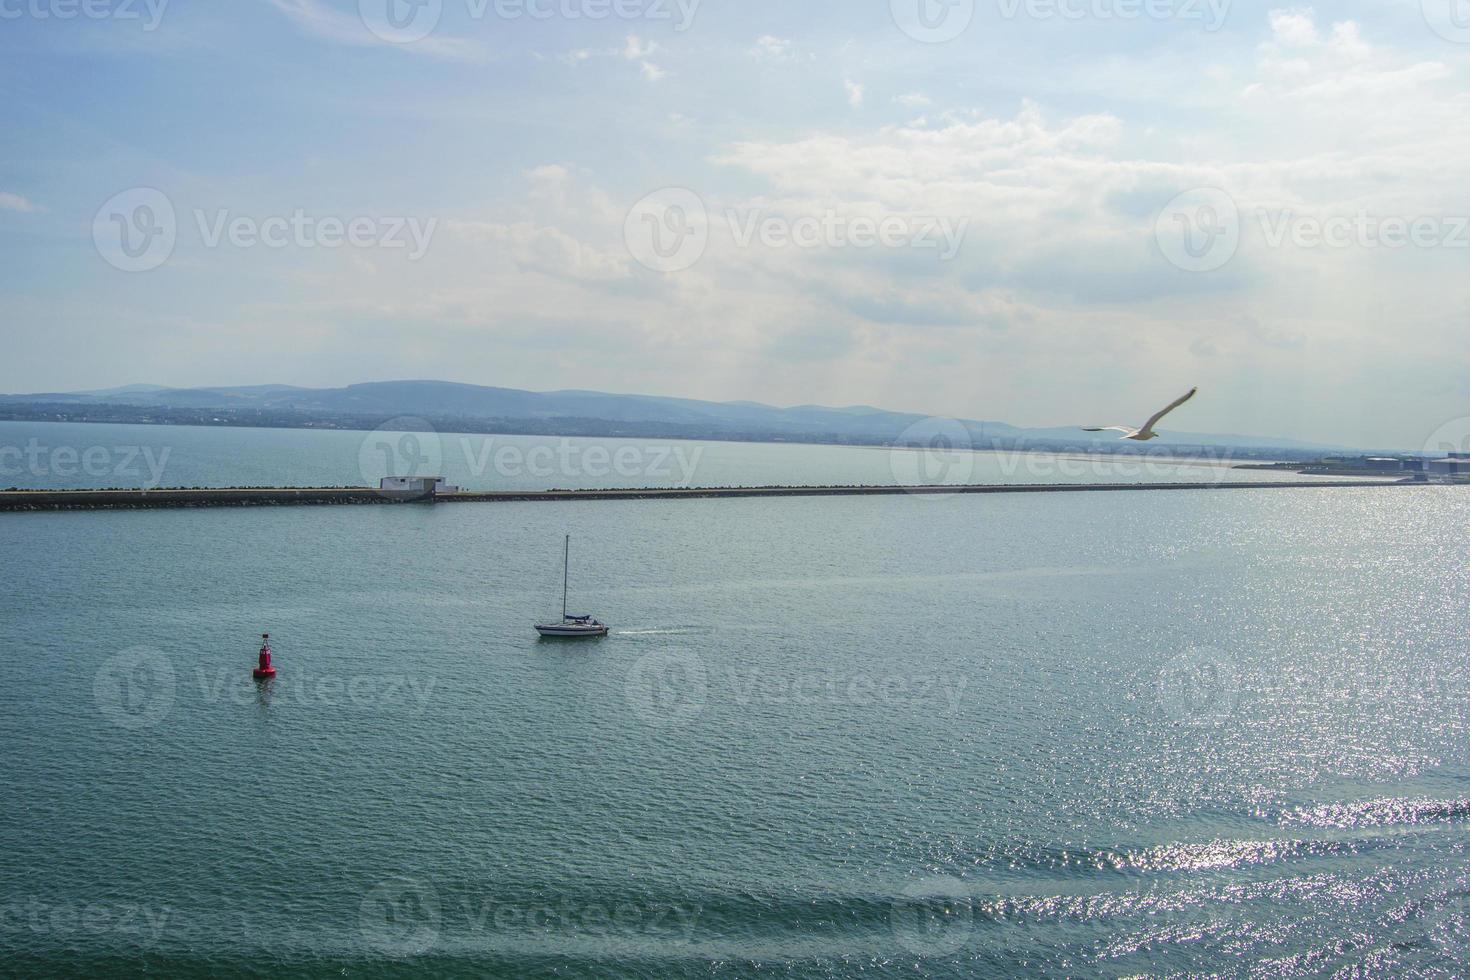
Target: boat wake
1388, 812
671, 631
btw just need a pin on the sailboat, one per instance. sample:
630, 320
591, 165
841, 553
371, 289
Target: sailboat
570, 626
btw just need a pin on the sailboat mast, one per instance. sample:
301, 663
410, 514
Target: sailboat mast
566, 563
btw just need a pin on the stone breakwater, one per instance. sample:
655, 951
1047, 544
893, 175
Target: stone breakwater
60, 500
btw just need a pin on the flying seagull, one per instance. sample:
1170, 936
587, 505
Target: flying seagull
1147, 432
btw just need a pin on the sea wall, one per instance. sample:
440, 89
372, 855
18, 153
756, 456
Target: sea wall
60, 500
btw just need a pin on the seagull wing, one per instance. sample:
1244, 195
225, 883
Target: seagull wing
1149, 425
1113, 428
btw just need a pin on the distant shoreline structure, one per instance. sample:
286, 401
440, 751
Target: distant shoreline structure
458, 407
569, 427
13, 501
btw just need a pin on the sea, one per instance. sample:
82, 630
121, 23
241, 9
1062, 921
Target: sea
929, 735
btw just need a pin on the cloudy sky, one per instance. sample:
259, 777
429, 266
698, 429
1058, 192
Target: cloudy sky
1042, 211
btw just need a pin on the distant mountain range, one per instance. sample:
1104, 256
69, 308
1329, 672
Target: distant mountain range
446, 405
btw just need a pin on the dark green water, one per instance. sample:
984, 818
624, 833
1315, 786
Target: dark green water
1124, 733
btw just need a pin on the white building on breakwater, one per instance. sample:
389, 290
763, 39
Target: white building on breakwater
426, 486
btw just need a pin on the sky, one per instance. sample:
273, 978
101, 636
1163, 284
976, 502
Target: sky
1046, 212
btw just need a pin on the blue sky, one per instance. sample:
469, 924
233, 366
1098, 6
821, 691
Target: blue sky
1049, 139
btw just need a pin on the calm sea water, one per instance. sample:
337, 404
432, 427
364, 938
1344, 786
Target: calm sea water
44, 455
976, 736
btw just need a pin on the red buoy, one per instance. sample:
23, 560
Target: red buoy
265, 671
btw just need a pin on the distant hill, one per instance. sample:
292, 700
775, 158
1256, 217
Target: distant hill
446, 403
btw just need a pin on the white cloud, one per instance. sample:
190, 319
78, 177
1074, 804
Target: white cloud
1339, 90
14, 202
967, 161
634, 49
1294, 28
548, 172
914, 100
854, 93
1296, 32
542, 249
637, 49
771, 48
1347, 40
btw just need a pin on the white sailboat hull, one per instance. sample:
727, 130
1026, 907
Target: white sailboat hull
572, 629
